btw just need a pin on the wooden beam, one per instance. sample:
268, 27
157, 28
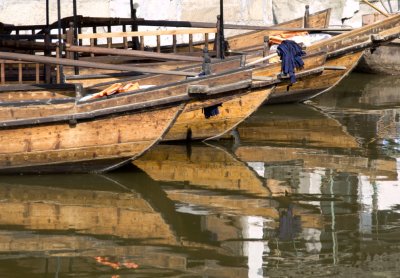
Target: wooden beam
132, 53
148, 33
84, 64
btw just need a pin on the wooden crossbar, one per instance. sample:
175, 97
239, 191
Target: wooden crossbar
186, 31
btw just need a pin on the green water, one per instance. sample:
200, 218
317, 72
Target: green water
308, 190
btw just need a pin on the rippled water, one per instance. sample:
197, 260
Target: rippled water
308, 190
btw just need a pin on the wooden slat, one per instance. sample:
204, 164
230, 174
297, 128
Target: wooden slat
132, 53
20, 73
149, 33
37, 68
174, 43
158, 43
70, 62
3, 73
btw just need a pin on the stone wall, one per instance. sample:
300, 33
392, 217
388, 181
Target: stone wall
254, 12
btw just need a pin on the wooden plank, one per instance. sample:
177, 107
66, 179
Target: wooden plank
2, 73
20, 73
133, 53
69, 62
148, 33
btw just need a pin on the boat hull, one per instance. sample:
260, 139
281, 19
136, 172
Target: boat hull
193, 125
306, 89
99, 144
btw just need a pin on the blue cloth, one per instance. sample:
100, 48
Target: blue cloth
211, 110
290, 53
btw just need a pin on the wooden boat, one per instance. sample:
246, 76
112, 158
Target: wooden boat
343, 53
61, 133
384, 59
237, 89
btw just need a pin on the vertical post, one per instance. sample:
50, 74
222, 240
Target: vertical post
60, 48
206, 39
47, 52
47, 14
158, 43
141, 42
217, 44
70, 40
58, 73
307, 17
109, 40
135, 40
190, 42
174, 49
221, 30
37, 73
124, 39
206, 67
75, 34
3, 72
19, 73
266, 47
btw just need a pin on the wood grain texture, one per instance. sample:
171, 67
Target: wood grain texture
234, 110
126, 136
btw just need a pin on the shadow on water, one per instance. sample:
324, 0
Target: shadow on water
307, 190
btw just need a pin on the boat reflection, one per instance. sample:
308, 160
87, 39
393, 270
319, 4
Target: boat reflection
369, 105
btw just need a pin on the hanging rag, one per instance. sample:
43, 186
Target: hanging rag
211, 110
290, 53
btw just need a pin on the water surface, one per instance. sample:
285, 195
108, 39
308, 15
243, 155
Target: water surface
306, 190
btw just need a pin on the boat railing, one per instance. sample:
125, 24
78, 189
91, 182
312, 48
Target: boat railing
153, 37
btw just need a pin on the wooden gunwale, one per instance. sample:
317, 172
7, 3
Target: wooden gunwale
357, 36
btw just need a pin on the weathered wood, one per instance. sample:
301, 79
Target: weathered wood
133, 53
148, 33
192, 124
112, 137
69, 62
306, 89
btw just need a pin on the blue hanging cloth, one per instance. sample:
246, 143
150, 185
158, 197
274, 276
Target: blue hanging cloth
211, 110
290, 53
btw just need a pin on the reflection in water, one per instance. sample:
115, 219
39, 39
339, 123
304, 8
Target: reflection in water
308, 191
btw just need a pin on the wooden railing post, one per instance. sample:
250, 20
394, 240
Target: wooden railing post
3, 73
266, 47
58, 75
307, 17
135, 40
190, 42
174, 48
47, 52
158, 43
206, 67
20, 73
70, 39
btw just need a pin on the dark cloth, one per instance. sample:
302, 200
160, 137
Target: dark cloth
290, 53
289, 225
211, 110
